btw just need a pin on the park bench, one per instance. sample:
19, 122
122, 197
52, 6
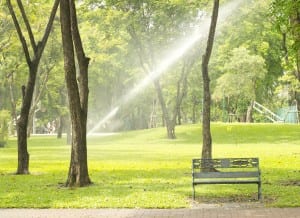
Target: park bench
226, 171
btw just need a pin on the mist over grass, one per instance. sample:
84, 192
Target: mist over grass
143, 169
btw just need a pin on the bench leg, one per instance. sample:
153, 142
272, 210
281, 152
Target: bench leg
259, 192
193, 192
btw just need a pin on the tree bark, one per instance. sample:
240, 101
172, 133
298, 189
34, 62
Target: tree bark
206, 133
77, 94
27, 91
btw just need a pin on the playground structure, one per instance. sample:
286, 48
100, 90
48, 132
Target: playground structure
283, 115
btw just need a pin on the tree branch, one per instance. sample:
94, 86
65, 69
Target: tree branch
140, 50
75, 32
212, 30
83, 61
41, 45
28, 27
19, 31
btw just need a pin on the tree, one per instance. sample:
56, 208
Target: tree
286, 17
152, 31
206, 134
254, 31
113, 70
239, 82
27, 91
77, 93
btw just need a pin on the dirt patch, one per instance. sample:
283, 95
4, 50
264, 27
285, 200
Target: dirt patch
231, 202
290, 183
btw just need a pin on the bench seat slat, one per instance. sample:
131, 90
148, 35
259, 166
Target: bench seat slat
227, 182
226, 174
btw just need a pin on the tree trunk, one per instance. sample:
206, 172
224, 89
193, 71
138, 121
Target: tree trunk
194, 112
30, 125
38, 90
170, 125
153, 115
249, 118
181, 92
68, 131
77, 94
206, 134
60, 127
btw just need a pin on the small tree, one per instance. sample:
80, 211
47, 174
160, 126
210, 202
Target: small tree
33, 60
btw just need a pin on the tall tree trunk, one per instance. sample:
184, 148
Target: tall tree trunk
206, 134
77, 93
27, 91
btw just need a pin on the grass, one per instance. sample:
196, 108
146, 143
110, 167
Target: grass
143, 169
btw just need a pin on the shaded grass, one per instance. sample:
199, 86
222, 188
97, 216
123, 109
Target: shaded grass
143, 169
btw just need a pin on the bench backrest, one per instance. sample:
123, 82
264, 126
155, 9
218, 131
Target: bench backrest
226, 168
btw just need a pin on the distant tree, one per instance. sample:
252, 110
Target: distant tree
33, 59
153, 27
77, 88
112, 71
239, 82
260, 38
206, 134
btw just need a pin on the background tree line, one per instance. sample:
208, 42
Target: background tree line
257, 51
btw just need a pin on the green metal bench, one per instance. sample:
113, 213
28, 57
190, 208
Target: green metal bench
226, 171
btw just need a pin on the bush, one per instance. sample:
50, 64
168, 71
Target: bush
4, 120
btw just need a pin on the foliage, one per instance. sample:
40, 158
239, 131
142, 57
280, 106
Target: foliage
151, 29
239, 82
286, 18
115, 66
142, 169
251, 29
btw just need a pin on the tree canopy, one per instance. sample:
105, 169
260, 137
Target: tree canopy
127, 39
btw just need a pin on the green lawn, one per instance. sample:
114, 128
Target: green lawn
143, 169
